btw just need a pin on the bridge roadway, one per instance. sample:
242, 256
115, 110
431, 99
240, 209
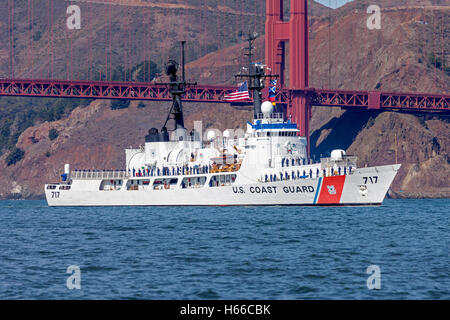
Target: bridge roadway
365, 100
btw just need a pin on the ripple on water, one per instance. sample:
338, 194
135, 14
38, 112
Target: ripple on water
303, 290
208, 294
314, 276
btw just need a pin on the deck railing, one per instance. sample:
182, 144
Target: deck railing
94, 174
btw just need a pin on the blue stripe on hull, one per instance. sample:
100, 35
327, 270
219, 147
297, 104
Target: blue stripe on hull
319, 185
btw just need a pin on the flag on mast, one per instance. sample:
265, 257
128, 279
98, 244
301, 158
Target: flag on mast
240, 95
272, 91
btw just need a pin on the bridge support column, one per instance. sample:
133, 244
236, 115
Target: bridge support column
299, 111
295, 31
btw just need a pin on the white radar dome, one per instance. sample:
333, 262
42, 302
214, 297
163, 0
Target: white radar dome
266, 108
211, 135
337, 155
227, 134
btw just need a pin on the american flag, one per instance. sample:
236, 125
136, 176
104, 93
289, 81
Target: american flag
240, 95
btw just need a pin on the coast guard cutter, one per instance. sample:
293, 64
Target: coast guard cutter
267, 164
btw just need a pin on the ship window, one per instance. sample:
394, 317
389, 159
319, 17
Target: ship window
132, 185
222, 180
193, 182
164, 184
110, 185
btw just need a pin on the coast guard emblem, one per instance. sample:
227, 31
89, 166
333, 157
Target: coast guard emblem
331, 190
362, 190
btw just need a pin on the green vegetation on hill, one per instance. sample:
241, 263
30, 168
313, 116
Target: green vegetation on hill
17, 113
14, 156
438, 63
120, 104
53, 134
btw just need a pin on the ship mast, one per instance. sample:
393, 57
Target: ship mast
177, 89
255, 77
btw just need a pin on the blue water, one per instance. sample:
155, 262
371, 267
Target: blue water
225, 253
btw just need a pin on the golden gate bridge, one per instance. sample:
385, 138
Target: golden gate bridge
298, 98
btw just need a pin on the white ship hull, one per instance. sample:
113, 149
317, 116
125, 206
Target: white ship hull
365, 186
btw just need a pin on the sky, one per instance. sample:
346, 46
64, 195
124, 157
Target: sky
333, 3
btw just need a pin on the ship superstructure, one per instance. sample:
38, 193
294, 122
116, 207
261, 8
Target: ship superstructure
265, 164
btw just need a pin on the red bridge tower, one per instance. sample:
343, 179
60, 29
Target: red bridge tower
294, 31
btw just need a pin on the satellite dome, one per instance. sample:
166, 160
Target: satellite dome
227, 134
337, 155
211, 135
266, 108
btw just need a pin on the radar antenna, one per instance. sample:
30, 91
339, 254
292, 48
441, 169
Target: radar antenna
255, 76
177, 89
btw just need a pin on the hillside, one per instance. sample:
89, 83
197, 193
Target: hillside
405, 55
402, 56
123, 36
